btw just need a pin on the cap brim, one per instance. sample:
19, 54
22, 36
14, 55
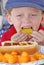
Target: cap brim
26, 4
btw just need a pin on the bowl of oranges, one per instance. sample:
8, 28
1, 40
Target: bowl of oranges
22, 58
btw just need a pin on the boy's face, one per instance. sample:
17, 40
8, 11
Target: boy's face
26, 17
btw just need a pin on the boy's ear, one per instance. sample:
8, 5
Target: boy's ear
8, 18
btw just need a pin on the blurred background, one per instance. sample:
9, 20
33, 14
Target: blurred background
4, 25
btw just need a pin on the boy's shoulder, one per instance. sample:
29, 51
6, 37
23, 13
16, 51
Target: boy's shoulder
7, 35
41, 27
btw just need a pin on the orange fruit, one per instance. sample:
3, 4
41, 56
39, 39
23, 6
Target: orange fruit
37, 55
15, 57
1, 57
10, 59
31, 58
4, 59
6, 55
23, 59
42, 56
18, 58
24, 53
14, 53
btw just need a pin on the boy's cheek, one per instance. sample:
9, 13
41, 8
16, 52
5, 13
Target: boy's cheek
36, 26
17, 26
18, 29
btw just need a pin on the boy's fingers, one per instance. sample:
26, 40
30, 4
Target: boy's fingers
39, 42
37, 36
41, 32
34, 39
15, 35
20, 37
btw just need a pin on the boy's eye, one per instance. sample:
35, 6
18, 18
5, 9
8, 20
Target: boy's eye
34, 15
18, 15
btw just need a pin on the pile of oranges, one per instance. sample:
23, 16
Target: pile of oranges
24, 57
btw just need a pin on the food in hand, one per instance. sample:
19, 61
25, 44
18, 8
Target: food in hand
27, 30
12, 43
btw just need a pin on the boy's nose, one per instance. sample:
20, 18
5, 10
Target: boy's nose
26, 19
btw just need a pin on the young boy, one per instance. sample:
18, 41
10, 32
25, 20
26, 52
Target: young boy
25, 14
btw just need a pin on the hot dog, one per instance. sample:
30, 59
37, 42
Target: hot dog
29, 47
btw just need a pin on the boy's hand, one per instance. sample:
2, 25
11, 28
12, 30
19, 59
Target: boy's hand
19, 37
38, 36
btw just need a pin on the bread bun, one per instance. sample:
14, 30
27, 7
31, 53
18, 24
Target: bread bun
29, 47
27, 30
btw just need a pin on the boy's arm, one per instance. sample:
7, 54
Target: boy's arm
7, 35
4, 38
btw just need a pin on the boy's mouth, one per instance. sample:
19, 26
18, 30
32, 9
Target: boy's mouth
26, 28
